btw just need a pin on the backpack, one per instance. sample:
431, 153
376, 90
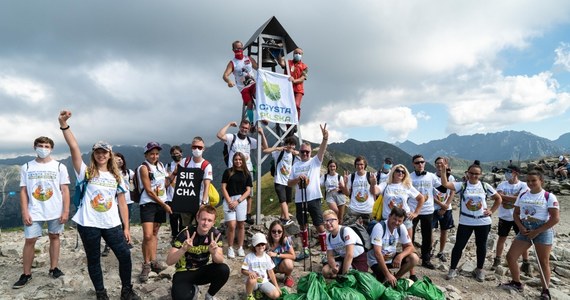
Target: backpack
226, 151
213, 194
400, 233
273, 164
80, 187
360, 231
325, 180
352, 180
137, 189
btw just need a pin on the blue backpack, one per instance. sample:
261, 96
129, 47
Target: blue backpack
80, 187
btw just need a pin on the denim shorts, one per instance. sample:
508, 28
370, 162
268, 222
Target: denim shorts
35, 230
544, 238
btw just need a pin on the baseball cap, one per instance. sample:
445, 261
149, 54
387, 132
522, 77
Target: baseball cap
258, 238
102, 145
561, 158
152, 145
388, 160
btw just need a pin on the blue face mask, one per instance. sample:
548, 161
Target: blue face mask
508, 176
297, 57
387, 167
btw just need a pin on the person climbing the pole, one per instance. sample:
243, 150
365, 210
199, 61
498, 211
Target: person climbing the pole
242, 67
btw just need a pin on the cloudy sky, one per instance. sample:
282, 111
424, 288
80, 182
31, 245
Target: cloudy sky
134, 71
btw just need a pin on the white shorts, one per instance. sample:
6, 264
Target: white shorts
266, 287
240, 212
35, 230
336, 197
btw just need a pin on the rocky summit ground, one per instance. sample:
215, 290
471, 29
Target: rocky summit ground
77, 285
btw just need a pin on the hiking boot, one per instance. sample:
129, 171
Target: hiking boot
156, 267
24, 279
143, 277
209, 297
496, 263
427, 264
451, 274
231, 253
55, 273
241, 253
127, 293
525, 267
304, 254
512, 285
287, 222
289, 282
545, 295
105, 252
441, 257
479, 275
102, 295
414, 278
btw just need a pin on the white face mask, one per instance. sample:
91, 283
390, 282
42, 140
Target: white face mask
43, 152
508, 176
197, 152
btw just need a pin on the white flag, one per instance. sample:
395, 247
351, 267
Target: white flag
274, 98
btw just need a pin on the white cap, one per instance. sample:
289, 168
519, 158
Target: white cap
561, 158
258, 238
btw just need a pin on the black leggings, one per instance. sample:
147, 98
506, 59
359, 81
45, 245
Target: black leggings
461, 239
215, 274
426, 223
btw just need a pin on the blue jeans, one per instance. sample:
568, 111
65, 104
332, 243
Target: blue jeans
91, 239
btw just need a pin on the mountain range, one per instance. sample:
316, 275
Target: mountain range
489, 148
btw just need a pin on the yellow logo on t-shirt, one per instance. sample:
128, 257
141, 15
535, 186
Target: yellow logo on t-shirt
42, 191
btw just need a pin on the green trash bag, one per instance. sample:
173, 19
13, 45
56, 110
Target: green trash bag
295, 297
367, 285
424, 288
314, 286
345, 293
398, 292
348, 280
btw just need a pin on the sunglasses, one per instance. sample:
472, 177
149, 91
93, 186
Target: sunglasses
399, 171
304, 151
198, 147
419, 162
277, 231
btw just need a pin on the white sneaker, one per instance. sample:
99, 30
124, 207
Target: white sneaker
231, 253
241, 253
452, 274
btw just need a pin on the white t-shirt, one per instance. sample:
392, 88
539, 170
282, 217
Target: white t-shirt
208, 174
396, 194
311, 169
506, 209
170, 188
441, 197
331, 185
243, 72
244, 146
474, 203
383, 177
99, 205
259, 265
338, 246
388, 241
283, 168
361, 201
157, 184
424, 184
127, 183
43, 182
534, 207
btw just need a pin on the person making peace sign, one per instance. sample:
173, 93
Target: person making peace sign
191, 252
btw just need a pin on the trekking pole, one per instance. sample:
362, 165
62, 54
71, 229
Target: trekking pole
304, 193
303, 190
539, 266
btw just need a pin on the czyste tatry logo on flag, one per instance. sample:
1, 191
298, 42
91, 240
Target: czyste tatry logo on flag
275, 98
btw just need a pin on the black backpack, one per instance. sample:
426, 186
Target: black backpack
273, 164
226, 151
360, 231
352, 180
137, 190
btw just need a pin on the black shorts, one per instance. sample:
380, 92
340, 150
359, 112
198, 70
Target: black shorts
284, 193
152, 212
378, 272
314, 209
505, 227
446, 220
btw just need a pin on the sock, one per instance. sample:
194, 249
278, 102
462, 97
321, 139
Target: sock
249, 114
305, 238
322, 241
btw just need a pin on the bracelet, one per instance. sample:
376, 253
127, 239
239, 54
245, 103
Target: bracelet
64, 128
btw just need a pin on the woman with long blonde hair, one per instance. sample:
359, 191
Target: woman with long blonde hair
98, 214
